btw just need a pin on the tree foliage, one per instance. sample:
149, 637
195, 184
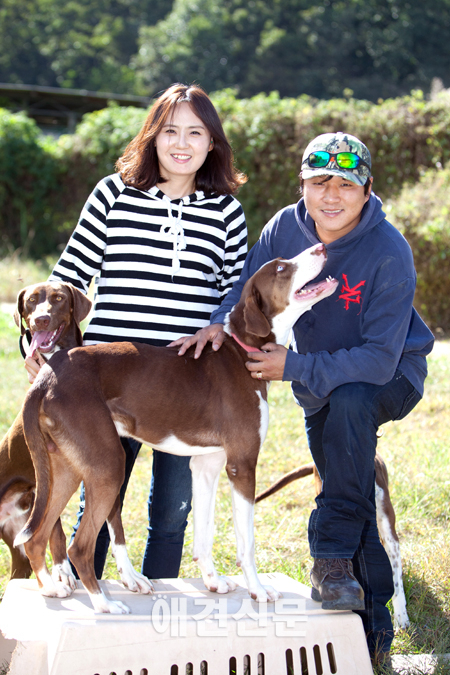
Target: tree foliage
79, 43
375, 48
29, 172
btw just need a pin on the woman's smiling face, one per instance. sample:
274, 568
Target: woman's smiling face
334, 204
183, 144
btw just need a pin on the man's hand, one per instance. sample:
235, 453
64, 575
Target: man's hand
213, 333
33, 366
269, 364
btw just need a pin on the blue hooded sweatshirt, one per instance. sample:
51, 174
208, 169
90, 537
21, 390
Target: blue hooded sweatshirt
364, 331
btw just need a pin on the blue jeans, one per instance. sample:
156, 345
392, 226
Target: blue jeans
342, 439
169, 503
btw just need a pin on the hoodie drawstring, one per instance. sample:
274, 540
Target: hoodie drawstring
175, 230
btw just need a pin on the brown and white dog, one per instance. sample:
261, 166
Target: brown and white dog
385, 522
208, 408
52, 313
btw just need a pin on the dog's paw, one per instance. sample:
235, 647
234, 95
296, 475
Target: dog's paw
401, 622
264, 594
104, 606
134, 581
218, 584
401, 619
137, 583
117, 607
272, 593
55, 589
63, 572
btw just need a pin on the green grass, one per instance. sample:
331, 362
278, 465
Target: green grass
417, 454
17, 272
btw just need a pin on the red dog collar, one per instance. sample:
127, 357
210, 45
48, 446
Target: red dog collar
244, 346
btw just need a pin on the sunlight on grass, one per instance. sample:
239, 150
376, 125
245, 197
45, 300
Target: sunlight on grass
17, 272
416, 451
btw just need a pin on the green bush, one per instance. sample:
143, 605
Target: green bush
269, 135
44, 183
89, 155
422, 213
102, 136
29, 178
263, 134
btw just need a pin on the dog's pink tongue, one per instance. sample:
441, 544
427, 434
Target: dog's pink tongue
39, 337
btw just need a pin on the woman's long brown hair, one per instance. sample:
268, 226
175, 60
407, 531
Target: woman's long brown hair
139, 166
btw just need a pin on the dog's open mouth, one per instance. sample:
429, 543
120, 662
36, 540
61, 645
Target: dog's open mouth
312, 290
45, 341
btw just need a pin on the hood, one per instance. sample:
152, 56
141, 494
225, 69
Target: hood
372, 214
159, 195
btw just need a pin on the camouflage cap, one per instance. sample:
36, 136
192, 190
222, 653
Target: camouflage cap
334, 143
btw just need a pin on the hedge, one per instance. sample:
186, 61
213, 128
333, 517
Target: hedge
44, 182
269, 135
29, 179
422, 213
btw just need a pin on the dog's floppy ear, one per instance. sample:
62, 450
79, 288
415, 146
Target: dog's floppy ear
18, 312
255, 321
81, 306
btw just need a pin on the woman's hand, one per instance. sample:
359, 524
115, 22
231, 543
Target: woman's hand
213, 333
33, 366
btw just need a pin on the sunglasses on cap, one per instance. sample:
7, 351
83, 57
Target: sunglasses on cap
344, 160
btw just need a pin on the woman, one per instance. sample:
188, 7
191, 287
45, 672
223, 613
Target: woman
167, 239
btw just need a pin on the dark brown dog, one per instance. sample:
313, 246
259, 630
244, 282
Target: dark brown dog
385, 522
52, 313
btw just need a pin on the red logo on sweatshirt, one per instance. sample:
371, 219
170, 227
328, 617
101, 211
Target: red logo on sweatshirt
350, 294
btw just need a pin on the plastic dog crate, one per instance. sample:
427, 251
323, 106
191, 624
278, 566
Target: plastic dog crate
181, 629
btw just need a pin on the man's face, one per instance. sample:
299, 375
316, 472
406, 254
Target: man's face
334, 204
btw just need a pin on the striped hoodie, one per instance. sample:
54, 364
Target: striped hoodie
162, 265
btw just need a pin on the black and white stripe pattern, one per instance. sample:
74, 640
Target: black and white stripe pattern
163, 264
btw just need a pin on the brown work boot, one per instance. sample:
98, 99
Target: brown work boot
335, 585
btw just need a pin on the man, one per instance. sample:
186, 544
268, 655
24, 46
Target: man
357, 360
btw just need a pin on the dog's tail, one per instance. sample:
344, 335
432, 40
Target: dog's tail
39, 454
305, 470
